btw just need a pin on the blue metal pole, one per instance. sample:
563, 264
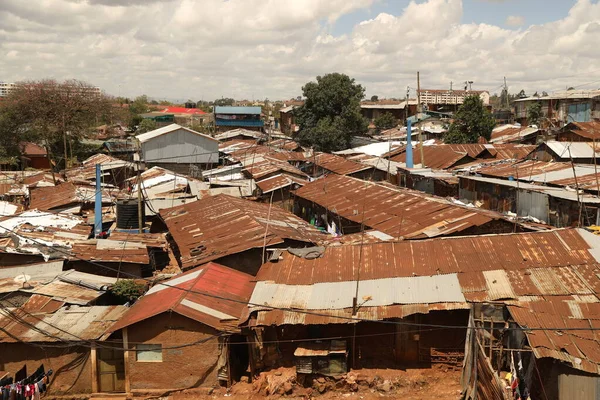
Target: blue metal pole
409, 149
98, 203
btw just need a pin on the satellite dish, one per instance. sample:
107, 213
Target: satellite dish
22, 278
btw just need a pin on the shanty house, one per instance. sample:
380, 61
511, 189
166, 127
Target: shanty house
579, 132
503, 303
232, 231
177, 148
351, 203
576, 152
229, 117
34, 156
35, 335
182, 333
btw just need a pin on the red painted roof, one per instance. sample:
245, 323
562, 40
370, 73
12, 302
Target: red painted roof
182, 110
32, 149
213, 279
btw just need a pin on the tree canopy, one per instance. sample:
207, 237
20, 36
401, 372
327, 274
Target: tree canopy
471, 121
331, 114
385, 121
534, 113
51, 113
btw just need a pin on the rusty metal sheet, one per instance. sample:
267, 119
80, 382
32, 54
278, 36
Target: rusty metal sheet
436, 157
103, 250
216, 226
279, 182
338, 165
48, 198
395, 211
212, 279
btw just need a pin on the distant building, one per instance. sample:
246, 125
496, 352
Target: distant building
178, 148
562, 107
398, 108
6, 88
436, 99
287, 120
34, 156
230, 117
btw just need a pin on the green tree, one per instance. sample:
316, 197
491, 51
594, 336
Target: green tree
534, 113
54, 114
139, 105
226, 101
385, 121
146, 125
374, 98
471, 121
331, 114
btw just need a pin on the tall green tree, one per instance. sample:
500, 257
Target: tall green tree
331, 114
146, 125
534, 113
471, 121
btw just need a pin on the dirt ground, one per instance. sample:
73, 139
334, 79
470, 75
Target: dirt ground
439, 383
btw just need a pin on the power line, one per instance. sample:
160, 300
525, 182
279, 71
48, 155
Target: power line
307, 312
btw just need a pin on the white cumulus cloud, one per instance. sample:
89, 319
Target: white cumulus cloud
204, 49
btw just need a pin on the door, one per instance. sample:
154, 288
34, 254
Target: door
111, 369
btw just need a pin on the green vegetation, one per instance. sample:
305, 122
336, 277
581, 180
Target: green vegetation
128, 290
471, 121
331, 114
534, 113
385, 121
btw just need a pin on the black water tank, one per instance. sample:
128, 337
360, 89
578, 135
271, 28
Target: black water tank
127, 214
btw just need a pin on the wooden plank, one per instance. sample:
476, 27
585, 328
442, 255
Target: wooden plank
94, 361
126, 356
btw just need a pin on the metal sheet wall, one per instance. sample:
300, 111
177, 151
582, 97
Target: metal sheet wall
580, 387
181, 146
534, 204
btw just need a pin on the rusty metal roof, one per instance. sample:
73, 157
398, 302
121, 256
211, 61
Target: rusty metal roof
512, 268
468, 254
436, 157
70, 323
279, 182
216, 226
588, 130
149, 239
338, 165
397, 212
48, 198
211, 278
266, 167
110, 250
510, 151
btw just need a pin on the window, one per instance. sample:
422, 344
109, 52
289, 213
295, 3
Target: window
149, 352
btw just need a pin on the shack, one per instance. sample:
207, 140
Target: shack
182, 333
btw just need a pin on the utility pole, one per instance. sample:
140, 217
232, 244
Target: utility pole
419, 126
506, 94
139, 198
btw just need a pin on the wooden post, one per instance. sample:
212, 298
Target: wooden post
94, 361
126, 356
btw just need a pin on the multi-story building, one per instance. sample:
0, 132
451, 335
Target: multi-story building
562, 107
438, 98
6, 88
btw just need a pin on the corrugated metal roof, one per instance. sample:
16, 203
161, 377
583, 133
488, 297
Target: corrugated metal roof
338, 165
395, 211
212, 279
217, 226
48, 198
573, 150
510, 252
144, 137
437, 157
66, 324
107, 250
511, 133
278, 182
240, 132
379, 292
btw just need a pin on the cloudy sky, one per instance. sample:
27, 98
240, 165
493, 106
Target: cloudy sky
205, 49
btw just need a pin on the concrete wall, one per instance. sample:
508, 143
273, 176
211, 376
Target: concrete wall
182, 147
71, 365
181, 368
